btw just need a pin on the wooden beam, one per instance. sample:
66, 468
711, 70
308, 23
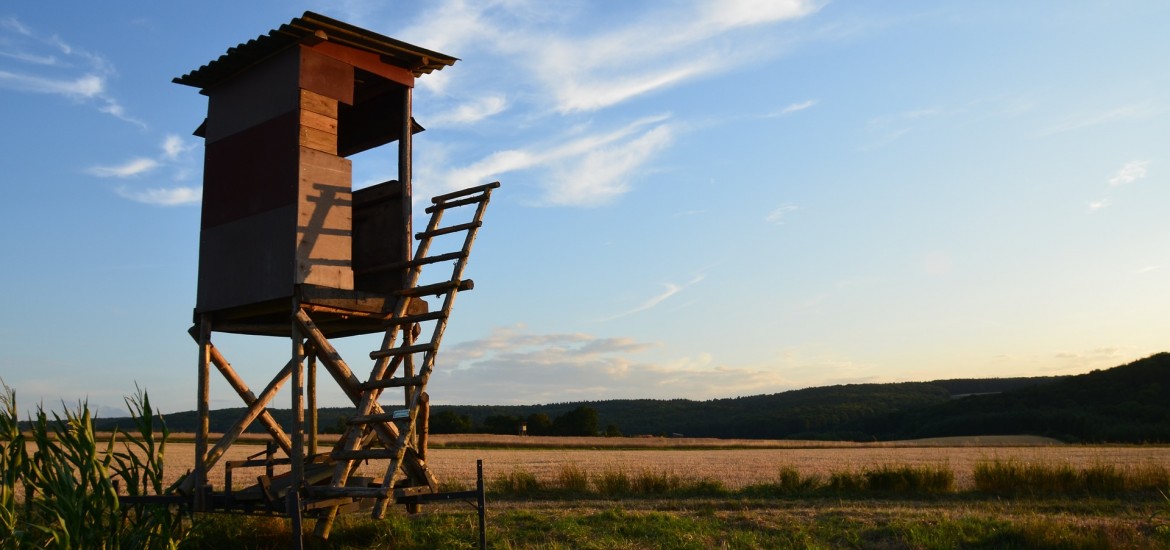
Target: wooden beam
310, 351
298, 435
254, 410
341, 372
203, 402
249, 398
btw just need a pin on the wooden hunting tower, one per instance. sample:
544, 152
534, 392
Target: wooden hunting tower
284, 112
287, 248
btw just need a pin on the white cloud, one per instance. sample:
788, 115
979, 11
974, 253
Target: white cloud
472, 112
175, 146
585, 171
1131, 172
792, 108
778, 215
514, 365
670, 290
82, 87
77, 75
1088, 120
173, 157
603, 173
605, 64
131, 168
1098, 205
593, 92
731, 14
174, 196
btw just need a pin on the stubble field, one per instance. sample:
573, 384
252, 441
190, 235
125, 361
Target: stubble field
734, 463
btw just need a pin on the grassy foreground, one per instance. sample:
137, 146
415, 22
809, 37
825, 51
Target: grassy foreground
59, 487
1012, 506
735, 523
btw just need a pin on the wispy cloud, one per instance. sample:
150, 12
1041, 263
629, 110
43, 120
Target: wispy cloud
563, 64
172, 196
659, 50
128, 169
175, 155
46, 64
670, 290
1129, 173
792, 108
1081, 121
516, 365
605, 65
585, 171
892, 127
778, 215
1099, 204
472, 112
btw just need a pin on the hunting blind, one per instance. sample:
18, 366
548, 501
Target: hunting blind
287, 248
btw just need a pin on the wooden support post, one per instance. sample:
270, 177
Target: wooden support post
203, 400
311, 353
424, 425
481, 504
298, 435
405, 148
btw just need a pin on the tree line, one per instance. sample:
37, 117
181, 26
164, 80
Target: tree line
581, 421
1122, 404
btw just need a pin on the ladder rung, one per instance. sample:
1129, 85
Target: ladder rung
461, 202
411, 263
436, 259
362, 454
404, 350
436, 288
403, 382
448, 230
401, 414
454, 194
412, 319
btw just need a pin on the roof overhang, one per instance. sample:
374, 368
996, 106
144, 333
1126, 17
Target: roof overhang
313, 28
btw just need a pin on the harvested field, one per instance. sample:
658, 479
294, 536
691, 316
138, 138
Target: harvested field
734, 467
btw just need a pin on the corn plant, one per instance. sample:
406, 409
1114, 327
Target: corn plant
12, 467
67, 475
140, 468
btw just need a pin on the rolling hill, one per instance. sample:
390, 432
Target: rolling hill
1122, 404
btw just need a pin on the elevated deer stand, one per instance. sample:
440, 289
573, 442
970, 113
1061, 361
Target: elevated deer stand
287, 249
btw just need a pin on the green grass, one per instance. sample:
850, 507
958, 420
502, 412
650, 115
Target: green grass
726, 523
1015, 478
66, 477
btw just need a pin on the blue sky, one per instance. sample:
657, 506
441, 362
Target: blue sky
700, 199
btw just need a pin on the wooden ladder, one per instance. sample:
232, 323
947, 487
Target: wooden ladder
395, 430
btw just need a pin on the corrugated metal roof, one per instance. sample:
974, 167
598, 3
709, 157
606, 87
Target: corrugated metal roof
413, 58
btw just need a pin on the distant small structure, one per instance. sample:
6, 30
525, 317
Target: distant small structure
288, 249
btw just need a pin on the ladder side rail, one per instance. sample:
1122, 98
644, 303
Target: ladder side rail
351, 441
414, 393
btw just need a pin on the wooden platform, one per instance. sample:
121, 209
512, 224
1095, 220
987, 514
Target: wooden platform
336, 312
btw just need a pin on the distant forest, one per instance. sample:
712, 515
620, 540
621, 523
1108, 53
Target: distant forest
1125, 404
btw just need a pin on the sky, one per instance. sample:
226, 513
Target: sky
701, 199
